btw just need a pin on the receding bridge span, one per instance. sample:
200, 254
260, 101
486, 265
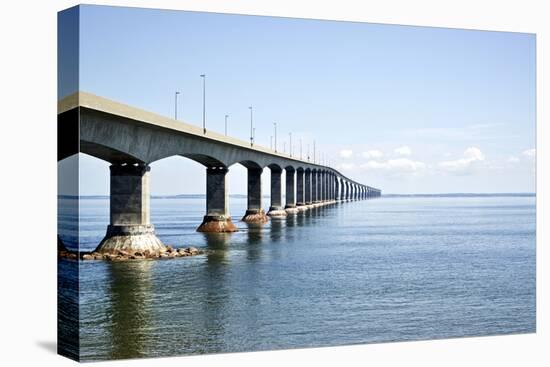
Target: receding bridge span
131, 139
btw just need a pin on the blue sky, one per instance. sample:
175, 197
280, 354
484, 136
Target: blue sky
406, 109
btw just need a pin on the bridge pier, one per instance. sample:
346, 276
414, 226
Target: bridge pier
344, 191
330, 188
300, 191
290, 206
334, 185
130, 227
217, 218
334, 188
326, 198
276, 208
337, 189
322, 187
308, 195
314, 188
254, 212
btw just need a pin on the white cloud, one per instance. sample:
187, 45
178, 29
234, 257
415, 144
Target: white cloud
346, 166
531, 153
399, 165
372, 154
485, 131
513, 159
466, 165
374, 165
346, 153
474, 154
405, 164
405, 150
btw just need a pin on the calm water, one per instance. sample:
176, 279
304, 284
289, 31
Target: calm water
369, 271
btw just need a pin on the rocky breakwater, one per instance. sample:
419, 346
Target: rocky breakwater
166, 253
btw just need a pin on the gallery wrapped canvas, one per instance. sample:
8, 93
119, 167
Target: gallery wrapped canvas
232, 183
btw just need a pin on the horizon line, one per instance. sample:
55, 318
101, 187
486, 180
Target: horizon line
386, 195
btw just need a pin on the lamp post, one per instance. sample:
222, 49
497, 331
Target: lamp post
314, 152
308, 152
251, 126
275, 125
290, 144
176, 105
203, 76
226, 116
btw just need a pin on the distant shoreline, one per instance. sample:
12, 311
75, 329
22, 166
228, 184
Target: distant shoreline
241, 196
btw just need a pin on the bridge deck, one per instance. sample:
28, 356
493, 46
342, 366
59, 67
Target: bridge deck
88, 100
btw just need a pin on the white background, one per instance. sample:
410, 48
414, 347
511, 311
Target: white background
28, 183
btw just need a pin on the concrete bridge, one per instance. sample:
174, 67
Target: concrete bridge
131, 139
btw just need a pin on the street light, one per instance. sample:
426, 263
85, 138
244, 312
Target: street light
314, 152
203, 76
226, 116
308, 152
176, 106
275, 125
290, 144
251, 128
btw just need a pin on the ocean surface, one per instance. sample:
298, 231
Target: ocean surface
387, 269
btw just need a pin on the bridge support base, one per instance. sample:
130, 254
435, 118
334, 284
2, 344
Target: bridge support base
217, 224
255, 216
291, 209
130, 239
302, 207
276, 211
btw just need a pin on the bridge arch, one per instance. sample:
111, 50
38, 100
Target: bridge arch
249, 164
275, 167
107, 153
206, 160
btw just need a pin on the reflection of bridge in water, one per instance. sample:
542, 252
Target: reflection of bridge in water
131, 139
